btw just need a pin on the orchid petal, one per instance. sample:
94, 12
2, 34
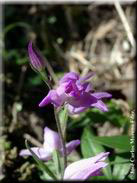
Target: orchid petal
40, 152
51, 140
75, 110
46, 100
84, 100
100, 157
52, 97
69, 76
88, 87
72, 145
87, 167
88, 76
83, 173
100, 95
100, 105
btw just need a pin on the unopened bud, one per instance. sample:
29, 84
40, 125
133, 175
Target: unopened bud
36, 59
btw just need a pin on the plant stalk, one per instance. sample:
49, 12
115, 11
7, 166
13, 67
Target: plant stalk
58, 125
62, 138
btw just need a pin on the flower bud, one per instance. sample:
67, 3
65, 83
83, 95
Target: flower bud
36, 59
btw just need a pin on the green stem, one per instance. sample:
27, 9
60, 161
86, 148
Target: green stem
43, 75
62, 139
58, 125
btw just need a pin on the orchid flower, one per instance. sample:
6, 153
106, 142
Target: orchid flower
83, 169
51, 142
76, 93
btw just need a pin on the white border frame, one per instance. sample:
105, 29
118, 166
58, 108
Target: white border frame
1, 85
4, 2
68, 1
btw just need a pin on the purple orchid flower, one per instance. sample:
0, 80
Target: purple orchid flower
36, 59
51, 142
77, 93
83, 169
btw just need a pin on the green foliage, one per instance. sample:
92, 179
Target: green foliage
14, 25
121, 169
90, 147
35, 80
4, 144
120, 143
115, 116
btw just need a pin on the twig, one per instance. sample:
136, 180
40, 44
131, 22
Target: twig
50, 70
84, 71
71, 24
102, 2
21, 81
104, 29
81, 59
125, 22
32, 140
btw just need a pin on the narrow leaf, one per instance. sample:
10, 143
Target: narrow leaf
121, 170
58, 163
117, 142
63, 117
42, 165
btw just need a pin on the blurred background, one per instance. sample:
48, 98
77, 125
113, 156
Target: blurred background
79, 38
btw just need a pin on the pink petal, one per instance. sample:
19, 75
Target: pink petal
88, 87
89, 75
84, 100
81, 172
87, 167
61, 93
71, 146
40, 152
100, 105
69, 76
46, 100
100, 157
53, 98
75, 110
51, 140
100, 95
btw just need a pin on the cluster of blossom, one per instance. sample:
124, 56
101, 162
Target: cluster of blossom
77, 94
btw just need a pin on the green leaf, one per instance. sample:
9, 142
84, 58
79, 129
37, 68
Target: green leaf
16, 24
90, 147
63, 117
121, 170
35, 80
114, 115
121, 142
58, 163
41, 165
